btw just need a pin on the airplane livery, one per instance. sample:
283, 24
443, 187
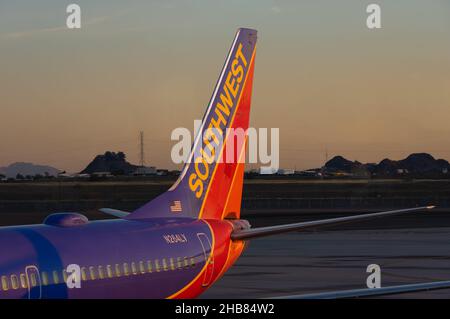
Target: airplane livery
175, 246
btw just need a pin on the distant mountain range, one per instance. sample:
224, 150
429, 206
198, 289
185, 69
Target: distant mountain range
418, 164
415, 165
28, 169
111, 162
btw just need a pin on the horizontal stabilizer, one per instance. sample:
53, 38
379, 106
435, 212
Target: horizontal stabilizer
279, 229
114, 212
374, 292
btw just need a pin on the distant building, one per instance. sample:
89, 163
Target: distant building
145, 171
101, 174
267, 171
162, 172
65, 175
286, 171
309, 173
82, 176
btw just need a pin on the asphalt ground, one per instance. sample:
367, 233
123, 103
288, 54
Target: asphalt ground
322, 261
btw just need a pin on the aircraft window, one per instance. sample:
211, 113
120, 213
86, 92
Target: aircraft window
92, 272
149, 266
5, 285
126, 270
142, 267
83, 274
157, 267
179, 263
64, 272
192, 262
23, 281
172, 264
55, 277
186, 262
118, 270
109, 271
44, 278
14, 282
164, 262
33, 280
133, 268
101, 274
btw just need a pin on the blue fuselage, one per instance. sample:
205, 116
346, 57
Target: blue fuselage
151, 258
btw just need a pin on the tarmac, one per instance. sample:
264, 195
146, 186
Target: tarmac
313, 262
411, 248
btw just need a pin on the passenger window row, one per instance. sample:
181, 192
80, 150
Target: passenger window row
96, 272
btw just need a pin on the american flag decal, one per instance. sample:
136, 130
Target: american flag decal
176, 206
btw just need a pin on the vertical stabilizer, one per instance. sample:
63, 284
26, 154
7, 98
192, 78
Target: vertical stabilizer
210, 184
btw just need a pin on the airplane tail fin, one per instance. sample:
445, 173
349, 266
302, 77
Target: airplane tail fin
210, 184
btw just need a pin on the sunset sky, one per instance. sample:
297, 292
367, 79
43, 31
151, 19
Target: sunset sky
321, 76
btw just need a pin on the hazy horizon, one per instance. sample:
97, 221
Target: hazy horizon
249, 167
329, 83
